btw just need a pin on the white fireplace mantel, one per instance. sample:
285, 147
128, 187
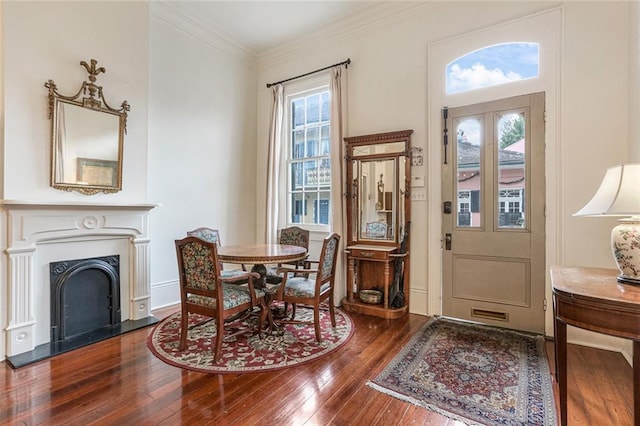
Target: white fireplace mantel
29, 225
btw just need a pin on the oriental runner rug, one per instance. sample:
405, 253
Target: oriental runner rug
295, 344
473, 373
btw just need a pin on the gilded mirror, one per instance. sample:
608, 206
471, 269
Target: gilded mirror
87, 137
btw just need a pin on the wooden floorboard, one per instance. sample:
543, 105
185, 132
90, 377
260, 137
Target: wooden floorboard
120, 382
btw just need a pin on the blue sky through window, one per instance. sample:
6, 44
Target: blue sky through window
493, 65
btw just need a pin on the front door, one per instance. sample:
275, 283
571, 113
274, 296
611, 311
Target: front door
493, 186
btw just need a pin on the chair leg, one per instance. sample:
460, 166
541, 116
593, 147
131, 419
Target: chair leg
184, 322
217, 352
332, 311
316, 321
293, 310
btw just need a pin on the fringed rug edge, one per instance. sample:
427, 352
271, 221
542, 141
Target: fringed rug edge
422, 404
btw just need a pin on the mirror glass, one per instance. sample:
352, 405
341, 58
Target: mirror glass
377, 199
87, 146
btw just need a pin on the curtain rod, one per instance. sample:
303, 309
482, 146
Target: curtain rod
347, 62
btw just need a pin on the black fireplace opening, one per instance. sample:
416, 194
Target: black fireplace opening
85, 296
85, 307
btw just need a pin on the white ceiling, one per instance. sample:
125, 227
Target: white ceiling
266, 24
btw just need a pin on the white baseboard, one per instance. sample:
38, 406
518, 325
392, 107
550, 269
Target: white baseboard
418, 302
165, 294
591, 339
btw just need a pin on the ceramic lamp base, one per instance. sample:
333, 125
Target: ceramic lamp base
625, 244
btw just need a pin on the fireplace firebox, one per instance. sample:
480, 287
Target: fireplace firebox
85, 296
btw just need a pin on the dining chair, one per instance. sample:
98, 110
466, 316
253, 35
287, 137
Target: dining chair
205, 292
315, 286
293, 236
213, 236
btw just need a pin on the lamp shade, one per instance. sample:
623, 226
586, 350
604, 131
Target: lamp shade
618, 195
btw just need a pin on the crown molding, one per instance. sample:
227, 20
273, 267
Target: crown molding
184, 18
379, 14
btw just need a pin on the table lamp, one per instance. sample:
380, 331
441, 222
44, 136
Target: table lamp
619, 195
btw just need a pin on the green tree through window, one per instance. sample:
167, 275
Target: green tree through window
512, 131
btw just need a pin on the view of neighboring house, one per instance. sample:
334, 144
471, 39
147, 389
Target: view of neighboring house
510, 180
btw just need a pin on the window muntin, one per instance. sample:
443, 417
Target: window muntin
493, 65
309, 162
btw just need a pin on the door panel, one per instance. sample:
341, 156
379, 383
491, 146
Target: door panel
498, 280
493, 267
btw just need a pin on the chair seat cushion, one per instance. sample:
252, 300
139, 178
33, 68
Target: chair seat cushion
273, 277
234, 295
302, 287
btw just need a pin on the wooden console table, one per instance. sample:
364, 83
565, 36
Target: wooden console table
591, 298
371, 266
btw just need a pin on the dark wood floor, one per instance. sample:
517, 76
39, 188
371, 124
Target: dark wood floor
119, 381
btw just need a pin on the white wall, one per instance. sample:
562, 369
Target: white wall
388, 91
47, 40
202, 116
634, 81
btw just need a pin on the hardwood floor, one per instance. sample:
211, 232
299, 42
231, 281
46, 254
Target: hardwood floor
119, 381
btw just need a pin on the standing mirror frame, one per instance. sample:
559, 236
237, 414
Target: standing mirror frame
378, 183
87, 137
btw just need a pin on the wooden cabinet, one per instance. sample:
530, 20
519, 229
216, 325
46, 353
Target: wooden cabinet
378, 222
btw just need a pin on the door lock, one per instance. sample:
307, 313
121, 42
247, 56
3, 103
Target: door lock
446, 207
447, 241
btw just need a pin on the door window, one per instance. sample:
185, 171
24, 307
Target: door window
511, 176
469, 166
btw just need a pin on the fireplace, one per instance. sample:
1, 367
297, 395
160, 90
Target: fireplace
85, 297
40, 235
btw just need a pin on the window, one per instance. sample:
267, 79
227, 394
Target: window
510, 208
308, 158
464, 208
493, 65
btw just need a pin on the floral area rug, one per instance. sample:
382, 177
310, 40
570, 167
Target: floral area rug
473, 373
293, 345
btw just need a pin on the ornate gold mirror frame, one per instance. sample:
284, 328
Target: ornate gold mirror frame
87, 137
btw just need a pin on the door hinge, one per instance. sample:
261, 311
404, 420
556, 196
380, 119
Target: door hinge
544, 305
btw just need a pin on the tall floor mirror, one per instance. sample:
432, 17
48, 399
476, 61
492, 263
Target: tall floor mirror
378, 223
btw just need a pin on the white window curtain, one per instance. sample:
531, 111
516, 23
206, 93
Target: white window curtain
338, 212
273, 167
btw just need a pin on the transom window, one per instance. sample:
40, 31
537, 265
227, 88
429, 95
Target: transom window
492, 66
308, 159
